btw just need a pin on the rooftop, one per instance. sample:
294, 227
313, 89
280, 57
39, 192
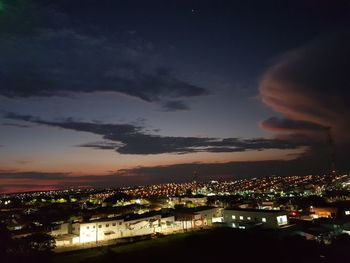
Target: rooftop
256, 210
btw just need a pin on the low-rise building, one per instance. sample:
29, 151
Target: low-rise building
133, 225
194, 200
236, 217
198, 217
325, 212
60, 229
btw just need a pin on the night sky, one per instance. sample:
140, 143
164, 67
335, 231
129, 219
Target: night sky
114, 93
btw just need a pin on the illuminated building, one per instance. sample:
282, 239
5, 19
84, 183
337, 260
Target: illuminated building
242, 218
327, 212
134, 225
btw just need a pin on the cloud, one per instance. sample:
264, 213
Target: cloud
308, 164
39, 61
15, 125
310, 88
288, 125
174, 105
32, 175
15, 181
133, 139
318, 164
24, 162
101, 145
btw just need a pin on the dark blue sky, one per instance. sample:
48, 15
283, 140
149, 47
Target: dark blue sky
129, 92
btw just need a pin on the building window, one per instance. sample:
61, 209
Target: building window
282, 220
93, 227
249, 218
99, 226
263, 219
120, 223
113, 224
107, 225
240, 217
347, 212
233, 217
87, 227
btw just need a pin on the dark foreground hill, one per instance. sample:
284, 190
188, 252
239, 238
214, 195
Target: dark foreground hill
218, 245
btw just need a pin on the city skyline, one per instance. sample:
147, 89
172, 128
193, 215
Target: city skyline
112, 93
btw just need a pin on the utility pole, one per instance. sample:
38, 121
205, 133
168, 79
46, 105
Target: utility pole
96, 234
333, 171
194, 181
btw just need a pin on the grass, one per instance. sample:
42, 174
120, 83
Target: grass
100, 252
216, 245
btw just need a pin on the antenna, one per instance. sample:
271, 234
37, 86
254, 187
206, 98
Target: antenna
331, 144
194, 181
333, 172
195, 177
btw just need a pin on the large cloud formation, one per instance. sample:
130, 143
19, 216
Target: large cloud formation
310, 87
133, 139
61, 58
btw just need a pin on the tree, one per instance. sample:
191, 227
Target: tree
5, 239
39, 242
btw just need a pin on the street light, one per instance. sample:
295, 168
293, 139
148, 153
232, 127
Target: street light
96, 234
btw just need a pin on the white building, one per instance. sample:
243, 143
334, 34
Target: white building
60, 229
240, 218
105, 230
196, 201
134, 225
199, 217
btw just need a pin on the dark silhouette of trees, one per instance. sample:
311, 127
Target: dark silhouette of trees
38, 242
5, 240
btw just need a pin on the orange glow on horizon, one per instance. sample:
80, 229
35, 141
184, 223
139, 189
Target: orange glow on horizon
125, 162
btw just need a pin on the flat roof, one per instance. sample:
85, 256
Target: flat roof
256, 210
65, 237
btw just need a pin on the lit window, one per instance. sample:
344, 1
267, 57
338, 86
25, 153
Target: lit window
282, 220
233, 217
347, 212
240, 217
263, 219
249, 218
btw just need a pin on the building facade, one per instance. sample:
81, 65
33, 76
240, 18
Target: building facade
135, 225
242, 218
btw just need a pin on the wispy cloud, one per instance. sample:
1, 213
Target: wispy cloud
59, 57
133, 139
174, 105
15, 125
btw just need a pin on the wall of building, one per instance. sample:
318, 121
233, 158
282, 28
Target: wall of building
207, 215
268, 219
59, 230
327, 212
100, 231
